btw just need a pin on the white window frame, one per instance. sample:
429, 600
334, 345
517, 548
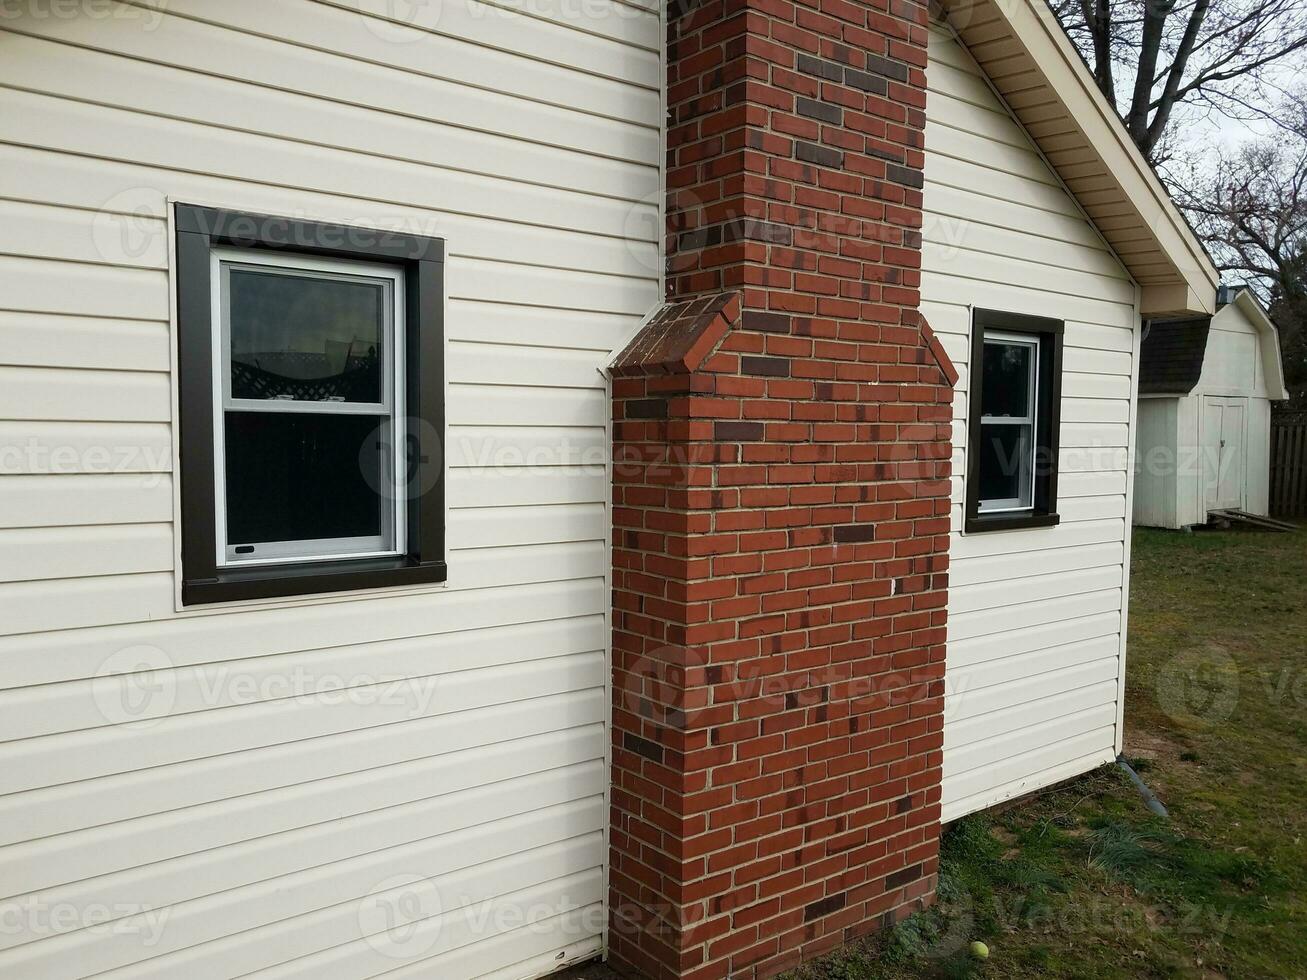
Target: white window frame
1014, 505
393, 516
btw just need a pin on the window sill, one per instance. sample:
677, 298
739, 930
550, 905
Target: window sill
1000, 522
319, 578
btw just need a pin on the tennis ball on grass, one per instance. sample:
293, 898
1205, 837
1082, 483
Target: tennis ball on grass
979, 950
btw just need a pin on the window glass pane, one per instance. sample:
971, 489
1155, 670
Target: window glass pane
1005, 464
305, 338
306, 477
1006, 384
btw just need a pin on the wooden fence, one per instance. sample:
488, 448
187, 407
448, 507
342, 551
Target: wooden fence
1289, 466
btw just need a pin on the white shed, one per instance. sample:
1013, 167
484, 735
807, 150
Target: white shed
1205, 390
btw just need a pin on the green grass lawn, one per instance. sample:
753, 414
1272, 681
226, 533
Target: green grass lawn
1083, 881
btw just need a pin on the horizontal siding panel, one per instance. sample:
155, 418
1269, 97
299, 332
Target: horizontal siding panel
1016, 297
37, 865
118, 134
1034, 588
1044, 756
562, 289
494, 527
1026, 783
463, 890
499, 323
341, 29
106, 79
50, 340
965, 653
964, 626
83, 236
946, 231
29, 554
505, 364
988, 140
163, 883
361, 958
557, 936
69, 807
92, 396
398, 673
67, 500
123, 203
1015, 669
1002, 568
1036, 540
488, 568
518, 486
330, 710
536, 37
1070, 510
975, 714
231, 922
37, 286
214, 635
952, 213
970, 262
1072, 715
198, 47
471, 404
69, 448
955, 170
513, 446
41, 606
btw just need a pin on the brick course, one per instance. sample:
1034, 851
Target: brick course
780, 504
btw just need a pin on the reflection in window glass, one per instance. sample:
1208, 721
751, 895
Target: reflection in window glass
305, 338
1006, 384
1005, 455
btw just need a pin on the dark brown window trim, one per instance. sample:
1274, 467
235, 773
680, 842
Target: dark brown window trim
1049, 418
199, 230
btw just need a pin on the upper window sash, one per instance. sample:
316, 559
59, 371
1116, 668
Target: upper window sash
226, 260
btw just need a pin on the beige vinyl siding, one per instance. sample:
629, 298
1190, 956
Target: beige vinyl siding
288, 758
1035, 616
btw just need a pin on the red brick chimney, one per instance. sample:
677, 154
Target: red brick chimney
781, 504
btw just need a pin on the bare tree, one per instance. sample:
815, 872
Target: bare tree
1213, 54
1251, 213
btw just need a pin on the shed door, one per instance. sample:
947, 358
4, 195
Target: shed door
1224, 424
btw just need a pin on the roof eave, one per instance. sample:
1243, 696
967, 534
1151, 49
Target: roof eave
1021, 42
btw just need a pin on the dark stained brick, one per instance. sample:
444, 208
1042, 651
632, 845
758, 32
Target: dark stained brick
773, 367
823, 156
737, 431
824, 906
867, 83
900, 878
647, 408
643, 747
851, 533
824, 111
903, 175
